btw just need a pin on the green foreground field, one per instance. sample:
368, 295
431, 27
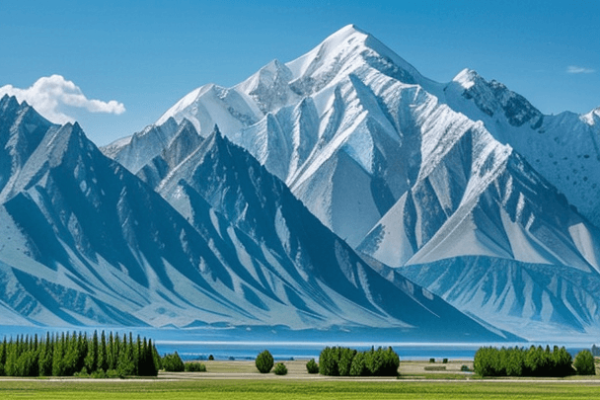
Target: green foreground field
291, 390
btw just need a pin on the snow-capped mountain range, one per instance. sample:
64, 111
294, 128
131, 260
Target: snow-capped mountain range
341, 188
414, 173
89, 243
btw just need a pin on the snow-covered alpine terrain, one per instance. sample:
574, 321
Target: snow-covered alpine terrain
464, 187
86, 242
339, 190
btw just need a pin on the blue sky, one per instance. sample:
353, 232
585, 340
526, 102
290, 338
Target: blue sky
145, 55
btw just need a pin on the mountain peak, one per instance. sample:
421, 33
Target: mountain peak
346, 51
346, 32
593, 117
8, 102
493, 97
467, 78
216, 132
215, 142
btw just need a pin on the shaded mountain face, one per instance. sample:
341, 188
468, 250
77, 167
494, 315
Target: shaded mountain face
88, 243
563, 148
285, 246
413, 172
83, 247
137, 150
538, 300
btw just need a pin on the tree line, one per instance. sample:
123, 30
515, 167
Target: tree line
342, 361
535, 362
69, 354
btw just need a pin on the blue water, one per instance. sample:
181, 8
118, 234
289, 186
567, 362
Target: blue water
306, 350
245, 343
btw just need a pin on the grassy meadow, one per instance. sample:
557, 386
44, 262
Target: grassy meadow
240, 380
292, 390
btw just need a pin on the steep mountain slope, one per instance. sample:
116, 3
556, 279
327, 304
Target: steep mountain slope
317, 124
185, 141
539, 301
483, 202
89, 243
539, 259
564, 148
137, 150
23, 129
86, 220
349, 125
413, 172
302, 261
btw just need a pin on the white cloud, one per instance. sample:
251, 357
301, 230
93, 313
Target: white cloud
573, 69
49, 94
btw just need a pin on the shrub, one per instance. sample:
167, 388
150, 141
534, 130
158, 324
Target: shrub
339, 361
172, 363
112, 373
211, 358
464, 368
195, 367
432, 360
82, 374
264, 362
280, 369
445, 361
312, 367
516, 361
584, 363
99, 374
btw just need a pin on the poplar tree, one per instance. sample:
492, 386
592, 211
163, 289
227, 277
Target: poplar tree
102, 354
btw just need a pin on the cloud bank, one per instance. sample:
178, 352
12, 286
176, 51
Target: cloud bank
574, 69
50, 94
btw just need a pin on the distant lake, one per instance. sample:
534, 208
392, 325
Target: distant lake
307, 350
245, 343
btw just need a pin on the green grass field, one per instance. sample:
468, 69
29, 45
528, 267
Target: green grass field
291, 390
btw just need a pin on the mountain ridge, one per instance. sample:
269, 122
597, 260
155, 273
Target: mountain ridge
90, 243
355, 131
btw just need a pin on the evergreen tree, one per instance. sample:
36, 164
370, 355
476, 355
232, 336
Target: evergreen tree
73, 353
57, 356
125, 366
45, 357
155, 356
91, 359
3, 348
358, 367
137, 355
11, 358
584, 363
345, 362
102, 354
70, 354
327, 363
114, 344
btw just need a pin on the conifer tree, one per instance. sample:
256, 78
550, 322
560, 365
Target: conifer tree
3, 349
125, 366
102, 354
155, 356
57, 357
91, 360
